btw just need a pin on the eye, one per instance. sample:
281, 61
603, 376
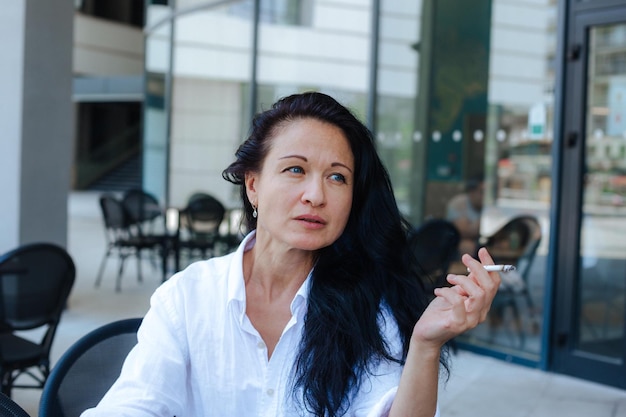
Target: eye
338, 177
294, 170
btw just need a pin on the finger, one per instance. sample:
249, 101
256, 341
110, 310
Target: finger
454, 299
485, 256
480, 286
455, 279
490, 281
453, 295
477, 282
486, 259
475, 307
458, 319
463, 283
479, 294
475, 266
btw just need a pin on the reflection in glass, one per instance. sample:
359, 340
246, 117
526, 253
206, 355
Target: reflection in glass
602, 279
156, 120
460, 90
203, 77
517, 164
285, 12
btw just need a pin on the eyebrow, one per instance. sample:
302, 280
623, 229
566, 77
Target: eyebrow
334, 164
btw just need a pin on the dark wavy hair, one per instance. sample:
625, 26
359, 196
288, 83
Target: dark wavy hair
369, 267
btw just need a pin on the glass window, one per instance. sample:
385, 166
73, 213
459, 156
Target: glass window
330, 56
398, 135
517, 164
475, 103
600, 297
206, 78
464, 94
282, 12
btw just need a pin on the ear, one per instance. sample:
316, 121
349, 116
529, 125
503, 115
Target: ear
251, 181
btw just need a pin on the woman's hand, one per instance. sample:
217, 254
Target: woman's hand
453, 311
460, 307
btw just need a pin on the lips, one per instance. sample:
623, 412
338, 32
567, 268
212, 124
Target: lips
311, 219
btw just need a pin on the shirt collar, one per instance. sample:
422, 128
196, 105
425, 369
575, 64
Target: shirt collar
298, 305
237, 288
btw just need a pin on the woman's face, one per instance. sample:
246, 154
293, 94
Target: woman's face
304, 190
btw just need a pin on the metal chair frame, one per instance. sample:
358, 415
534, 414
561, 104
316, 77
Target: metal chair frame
87, 369
9, 408
527, 239
200, 225
125, 238
26, 275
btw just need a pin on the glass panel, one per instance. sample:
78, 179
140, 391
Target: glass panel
463, 89
516, 163
155, 122
330, 55
398, 135
602, 285
208, 105
286, 12
466, 92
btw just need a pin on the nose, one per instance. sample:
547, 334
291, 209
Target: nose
313, 193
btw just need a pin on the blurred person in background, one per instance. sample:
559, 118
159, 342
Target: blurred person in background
464, 211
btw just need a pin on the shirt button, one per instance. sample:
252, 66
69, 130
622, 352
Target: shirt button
260, 345
270, 392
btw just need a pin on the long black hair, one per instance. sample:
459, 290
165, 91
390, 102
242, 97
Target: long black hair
367, 267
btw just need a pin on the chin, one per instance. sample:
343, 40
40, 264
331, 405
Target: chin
312, 245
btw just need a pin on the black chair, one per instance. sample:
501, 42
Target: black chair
434, 244
35, 283
232, 231
147, 217
86, 371
9, 408
123, 239
198, 195
515, 243
144, 211
200, 226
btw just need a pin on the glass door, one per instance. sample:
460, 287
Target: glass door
591, 278
603, 236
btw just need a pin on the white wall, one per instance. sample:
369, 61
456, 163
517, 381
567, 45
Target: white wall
105, 48
206, 124
11, 84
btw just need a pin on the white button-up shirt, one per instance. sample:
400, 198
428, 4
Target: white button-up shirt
199, 355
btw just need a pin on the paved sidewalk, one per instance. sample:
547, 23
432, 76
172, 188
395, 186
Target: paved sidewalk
482, 386
479, 386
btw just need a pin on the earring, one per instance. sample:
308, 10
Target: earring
254, 212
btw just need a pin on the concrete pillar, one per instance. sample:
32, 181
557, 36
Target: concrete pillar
36, 120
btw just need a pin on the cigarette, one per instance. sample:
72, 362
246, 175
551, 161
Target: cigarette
498, 268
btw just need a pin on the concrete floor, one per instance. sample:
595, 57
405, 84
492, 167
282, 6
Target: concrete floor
478, 386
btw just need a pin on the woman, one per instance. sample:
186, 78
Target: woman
319, 312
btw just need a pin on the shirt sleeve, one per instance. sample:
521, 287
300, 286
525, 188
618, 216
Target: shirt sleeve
383, 407
153, 380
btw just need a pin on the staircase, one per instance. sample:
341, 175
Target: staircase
125, 177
